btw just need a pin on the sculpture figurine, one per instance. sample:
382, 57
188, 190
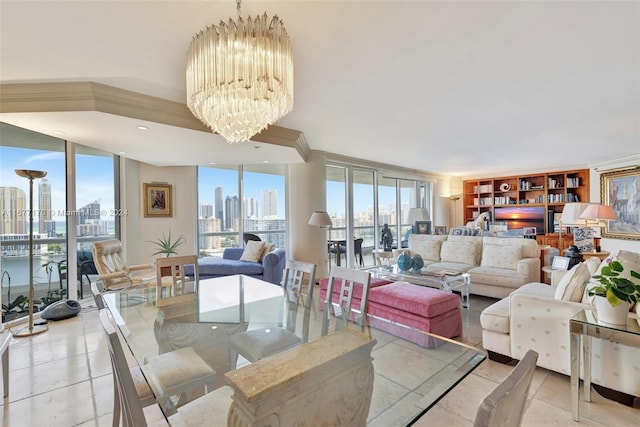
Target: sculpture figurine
387, 238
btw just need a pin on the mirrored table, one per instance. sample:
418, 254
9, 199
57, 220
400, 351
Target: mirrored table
352, 372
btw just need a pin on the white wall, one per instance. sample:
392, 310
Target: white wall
138, 231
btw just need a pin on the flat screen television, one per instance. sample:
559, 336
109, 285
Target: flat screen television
522, 216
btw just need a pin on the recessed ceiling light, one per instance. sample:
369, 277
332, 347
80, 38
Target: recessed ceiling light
143, 127
212, 163
122, 153
59, 132
265, 161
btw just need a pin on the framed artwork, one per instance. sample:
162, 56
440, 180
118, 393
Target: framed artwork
158, 200
620, 189
423, 227
560, 263
440, 230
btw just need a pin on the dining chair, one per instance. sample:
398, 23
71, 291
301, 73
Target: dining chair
504, 406
173, 286
339, 312
257, 344
249, 236
174, 373
114, 272
134, 412
357, 249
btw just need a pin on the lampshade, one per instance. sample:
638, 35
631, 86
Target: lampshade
418, 214
599, 213
320, 219
240, 76
571, 214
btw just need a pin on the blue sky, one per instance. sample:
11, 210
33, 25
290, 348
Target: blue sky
94, 176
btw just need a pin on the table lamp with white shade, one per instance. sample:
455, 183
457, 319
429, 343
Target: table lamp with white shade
571, 216
415, 215
596, 215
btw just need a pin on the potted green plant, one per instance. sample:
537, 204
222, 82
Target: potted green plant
615, 292
167, 246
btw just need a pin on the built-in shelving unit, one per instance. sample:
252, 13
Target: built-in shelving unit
549, 191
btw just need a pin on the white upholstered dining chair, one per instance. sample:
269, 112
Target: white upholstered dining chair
505, 405
256, 344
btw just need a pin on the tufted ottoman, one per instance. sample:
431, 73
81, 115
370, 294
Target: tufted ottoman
420, 307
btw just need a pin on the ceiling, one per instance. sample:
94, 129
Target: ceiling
463, 88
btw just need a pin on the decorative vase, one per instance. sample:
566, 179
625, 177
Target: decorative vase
609, 314
418, 263
405, 263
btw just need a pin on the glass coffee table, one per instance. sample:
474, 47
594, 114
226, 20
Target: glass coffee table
447, 281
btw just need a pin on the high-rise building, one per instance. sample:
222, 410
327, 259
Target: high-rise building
209, 244
231, 213
250, 207
219, 207
269, 203
90, 211
14, 211
206, 210
44, 204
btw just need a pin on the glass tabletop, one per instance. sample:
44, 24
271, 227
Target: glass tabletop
409, 378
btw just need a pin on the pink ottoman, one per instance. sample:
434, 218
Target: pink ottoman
420, 307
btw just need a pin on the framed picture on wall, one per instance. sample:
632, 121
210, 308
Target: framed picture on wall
157, 199
620, 189
423, 227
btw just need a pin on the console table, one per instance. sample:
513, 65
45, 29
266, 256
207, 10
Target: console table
583, 327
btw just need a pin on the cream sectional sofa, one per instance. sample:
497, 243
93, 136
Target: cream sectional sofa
497, 266
536, 316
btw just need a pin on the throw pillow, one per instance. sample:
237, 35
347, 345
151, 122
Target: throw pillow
628, 256
253, 251
427, 249
570, 286
268, 247
460, 252
592, 264
501, 256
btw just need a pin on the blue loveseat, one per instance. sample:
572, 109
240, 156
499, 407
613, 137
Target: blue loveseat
269, 270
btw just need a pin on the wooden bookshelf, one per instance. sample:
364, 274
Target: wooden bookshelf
548, 190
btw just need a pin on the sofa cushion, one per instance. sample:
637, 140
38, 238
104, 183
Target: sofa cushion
570, 286
252, 251
216, 266
458, 252
420, 300
501, 256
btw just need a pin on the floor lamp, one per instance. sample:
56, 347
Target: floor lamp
31, 330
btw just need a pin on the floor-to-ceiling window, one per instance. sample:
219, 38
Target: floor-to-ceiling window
93, 209
375, 200
233, 200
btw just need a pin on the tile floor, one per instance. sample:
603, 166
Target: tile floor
63, 378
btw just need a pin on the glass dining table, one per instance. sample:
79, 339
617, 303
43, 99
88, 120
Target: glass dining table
355, 369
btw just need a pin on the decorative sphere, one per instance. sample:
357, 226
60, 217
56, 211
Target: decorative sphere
405, 263
418, 262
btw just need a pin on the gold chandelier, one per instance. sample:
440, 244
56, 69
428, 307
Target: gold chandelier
240, 76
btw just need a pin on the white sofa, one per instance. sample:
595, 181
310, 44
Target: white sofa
535, 317
496, 265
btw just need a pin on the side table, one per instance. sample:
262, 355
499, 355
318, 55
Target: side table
584, 326
602, 255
